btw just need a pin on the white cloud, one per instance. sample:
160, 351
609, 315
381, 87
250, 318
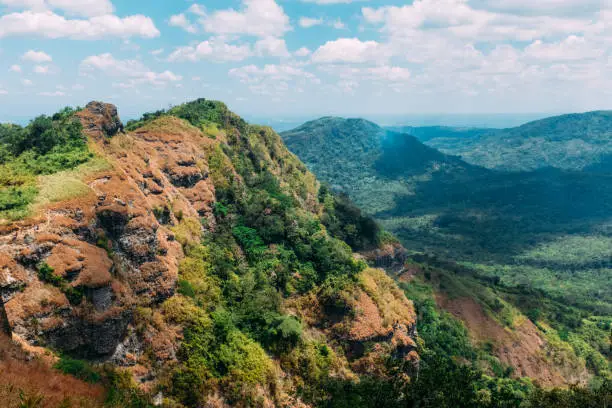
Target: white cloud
36, 56
307, 22
457, 18
54, 93
351, 50
214, 49
271, 46
572, 48
15, 68
180, 20
273, 79
197, 10
86, 8
3, 91
41, 69
157, 51
332, 1
260, 18
26, 82
302, 52
50, 25
338, 24
133, 72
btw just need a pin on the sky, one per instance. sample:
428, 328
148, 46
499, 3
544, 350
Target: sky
301, 58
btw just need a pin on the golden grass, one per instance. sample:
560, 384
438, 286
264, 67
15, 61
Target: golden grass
68, 184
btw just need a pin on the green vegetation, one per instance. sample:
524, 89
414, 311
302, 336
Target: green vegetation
49, 144
46, 274
269, 243
532, 244
569, 142
78, 368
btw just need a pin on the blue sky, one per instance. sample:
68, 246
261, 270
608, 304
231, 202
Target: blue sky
300, 58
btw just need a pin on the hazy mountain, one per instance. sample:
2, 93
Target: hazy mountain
570, 142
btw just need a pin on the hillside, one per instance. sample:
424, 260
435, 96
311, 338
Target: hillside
568, 142
189, 259
535, 241
191, 253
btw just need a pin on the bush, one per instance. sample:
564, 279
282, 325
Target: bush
77, 368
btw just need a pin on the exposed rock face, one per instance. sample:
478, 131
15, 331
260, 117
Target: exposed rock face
5, 325
101, 117
391, 258
377, 322
107, 250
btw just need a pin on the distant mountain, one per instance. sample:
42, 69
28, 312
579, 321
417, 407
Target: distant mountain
570, 142
440, 204
350, 153
427, 133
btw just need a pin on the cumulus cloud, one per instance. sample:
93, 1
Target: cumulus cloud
26, 82
458, 18
273, 79
302, 52
36, 56
50, 25
271, 46
197, 10
259, 18
180, 20
307, 22
350, 50
332, 1
85, 8
15, 68
131, 72
41, 69
572, 48
214, 49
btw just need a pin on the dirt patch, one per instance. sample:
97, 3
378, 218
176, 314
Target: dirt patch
522, 348
35, 379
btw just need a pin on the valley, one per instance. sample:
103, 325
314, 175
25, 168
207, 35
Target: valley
188, 258
530, 243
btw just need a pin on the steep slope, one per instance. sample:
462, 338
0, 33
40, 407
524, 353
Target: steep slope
509, 228
197, 253
569, 142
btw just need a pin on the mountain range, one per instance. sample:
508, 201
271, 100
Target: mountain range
514, 230
569, 142
189, 259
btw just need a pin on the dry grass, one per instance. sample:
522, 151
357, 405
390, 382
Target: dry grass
68, 184
27, 382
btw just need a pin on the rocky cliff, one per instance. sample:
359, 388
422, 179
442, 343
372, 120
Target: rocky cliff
193, 217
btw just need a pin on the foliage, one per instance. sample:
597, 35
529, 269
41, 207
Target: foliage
77, 368
46, 274
49, 144
570, 142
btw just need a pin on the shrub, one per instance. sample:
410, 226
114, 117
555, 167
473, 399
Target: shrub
78, 368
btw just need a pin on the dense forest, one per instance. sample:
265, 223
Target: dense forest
522, 245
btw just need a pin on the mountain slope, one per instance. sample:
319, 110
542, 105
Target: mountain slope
569, 142
192, 252
527, 239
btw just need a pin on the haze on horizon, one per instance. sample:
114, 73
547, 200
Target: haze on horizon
281, 59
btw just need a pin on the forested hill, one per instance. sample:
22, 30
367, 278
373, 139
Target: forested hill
569, 142
345, 152
532, 245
